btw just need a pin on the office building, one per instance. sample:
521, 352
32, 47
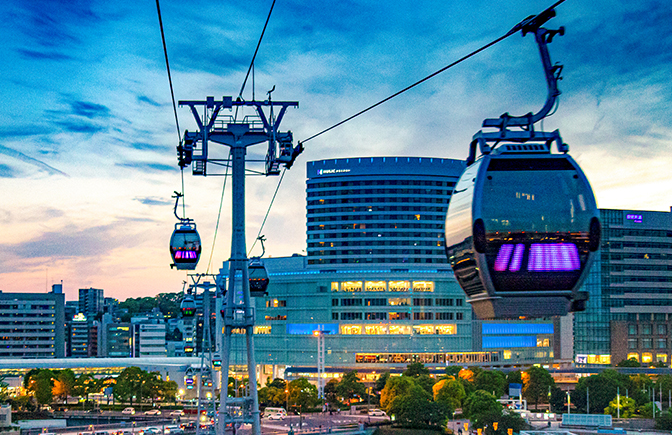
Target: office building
118, 340
91, 302
629, 314
32, 325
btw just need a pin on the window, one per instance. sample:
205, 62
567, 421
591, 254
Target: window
646, 328
632, 343
376, 316
278, 317
378, 302
351, 302
417, 302
334, 316
351, 316
459, 316
647, 357
423, 316
662, 329
661, 357
423, 286
661, 343
647, 343
334, 302
351, 286
399, 316
351, 329
633, 355
376, 286
444, 316
444, 302
459, 302
400, 301
399, 286
632, 329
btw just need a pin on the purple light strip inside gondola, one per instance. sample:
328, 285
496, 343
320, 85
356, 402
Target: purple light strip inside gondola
503, 256
517, 258
186, 255
553, 257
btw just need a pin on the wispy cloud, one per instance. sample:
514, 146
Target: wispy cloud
7, 171
146, 99
149, 166
154, 200
24, 158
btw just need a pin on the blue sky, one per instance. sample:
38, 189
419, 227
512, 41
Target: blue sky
87, 133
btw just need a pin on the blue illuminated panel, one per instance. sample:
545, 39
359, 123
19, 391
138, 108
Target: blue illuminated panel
505, 341
308, 328
553, 257
516, 328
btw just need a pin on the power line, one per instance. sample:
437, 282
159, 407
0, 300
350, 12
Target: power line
515, 29
242, 88
170, 80
268, 211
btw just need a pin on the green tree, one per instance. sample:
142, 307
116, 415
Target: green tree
603, 388
331, 394
451, 392
64, 384
665, 421
42, 387
302, 394
453, 371
395, 386
381, 381
129, 385
628, 407
278, 383
350, 386
493, 381
537, 382
558, 400
514, 377
169, 390
481, 407
629, 363
272, 396
417, 410
415, 370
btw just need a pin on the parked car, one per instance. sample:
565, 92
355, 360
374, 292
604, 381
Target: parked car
377, 413
128, 411
153, 412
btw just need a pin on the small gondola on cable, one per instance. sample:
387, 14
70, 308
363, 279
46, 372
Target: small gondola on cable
185, 243
257, 274
522, 226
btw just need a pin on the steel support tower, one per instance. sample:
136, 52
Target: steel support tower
194, 150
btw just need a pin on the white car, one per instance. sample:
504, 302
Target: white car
377, 413
276, 416
176, 413
128, 411
153, 412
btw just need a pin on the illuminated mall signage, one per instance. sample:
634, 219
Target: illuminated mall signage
593, 359
381, 286
331, 171
636, 218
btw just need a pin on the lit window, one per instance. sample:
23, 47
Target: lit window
375, 329
262, 330
506, 354
647, 357
661, 357
543, 342
633, 355
423, 286
351, 286
399, 286
605, 359
400, 329
423, 329
351, 329
400, 301
375, 286
334, 286
446, 329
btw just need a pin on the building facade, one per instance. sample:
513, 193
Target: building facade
629, 313
32, 325
91, 302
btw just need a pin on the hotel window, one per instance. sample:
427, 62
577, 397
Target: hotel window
402, 302
662, 329
459, 316
424, 329
459, 302
399, 286
399, 329
444, 302
376, 316
632, 343
646, 329
334, 316
350, 302
506, 354
543, 342
351, 329
422, 302
444, 316
633, 355
423, 316
375, 286
351, 316
632, 329
661, 357
647, 357
334, 286
647, 343
661, 343
399, 316
334, 302
378, 302
262, 330
351, 286
375, 329
423, 286
446, 329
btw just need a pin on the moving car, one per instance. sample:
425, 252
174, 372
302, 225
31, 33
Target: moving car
153, 412
176, 413
377, 413
128, 411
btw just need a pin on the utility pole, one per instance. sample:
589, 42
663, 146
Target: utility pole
320, 363
194, 151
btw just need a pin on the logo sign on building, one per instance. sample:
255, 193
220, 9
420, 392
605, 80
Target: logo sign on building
636, 218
